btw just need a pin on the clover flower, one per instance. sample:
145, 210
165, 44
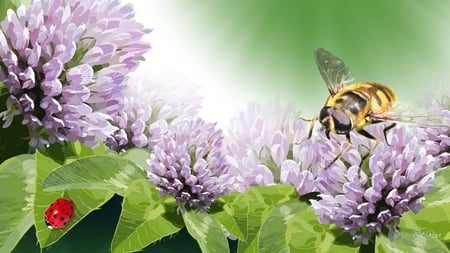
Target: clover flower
364, 194
268, 144
64, 63
154, 101
260, 143
188, 163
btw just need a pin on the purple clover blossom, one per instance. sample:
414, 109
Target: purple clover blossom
153, 102
268, 144
188, 163
260, 145
365, 195
64, 63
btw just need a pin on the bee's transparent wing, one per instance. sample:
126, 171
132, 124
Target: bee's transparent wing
414, 114
333, 70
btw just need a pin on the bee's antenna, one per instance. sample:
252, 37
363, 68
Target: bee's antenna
305, 119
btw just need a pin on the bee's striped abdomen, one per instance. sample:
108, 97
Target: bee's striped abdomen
380, 97
352, 102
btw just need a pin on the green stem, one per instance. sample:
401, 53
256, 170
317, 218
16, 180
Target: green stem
369, 248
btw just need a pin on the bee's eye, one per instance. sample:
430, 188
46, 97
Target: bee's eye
324, 116
342, 122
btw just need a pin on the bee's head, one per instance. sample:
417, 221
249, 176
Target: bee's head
335, 121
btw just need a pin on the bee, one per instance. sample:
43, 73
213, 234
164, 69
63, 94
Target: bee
353, 106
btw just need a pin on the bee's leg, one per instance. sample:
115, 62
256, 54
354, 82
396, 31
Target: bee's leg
305, 119
350, 144
368, 135
387, 129
311, 127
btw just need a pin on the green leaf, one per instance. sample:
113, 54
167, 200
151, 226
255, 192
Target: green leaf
138, 156
292, 227
222, 211
440, 193
17, 181
82, 150
252, 207
337, 241
431, 221
207, 231
275, 235
96, 172
144, 218
69, 151
411, 241
85, 200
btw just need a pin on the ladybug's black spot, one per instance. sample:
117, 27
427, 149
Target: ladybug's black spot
61, 218
65, 223
70, 216
54, 215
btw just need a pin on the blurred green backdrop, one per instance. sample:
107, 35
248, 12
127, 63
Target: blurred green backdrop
243, 50
255, 49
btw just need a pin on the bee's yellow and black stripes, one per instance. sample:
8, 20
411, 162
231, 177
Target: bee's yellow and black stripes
362, 100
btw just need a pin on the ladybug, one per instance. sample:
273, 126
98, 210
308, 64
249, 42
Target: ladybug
59, 213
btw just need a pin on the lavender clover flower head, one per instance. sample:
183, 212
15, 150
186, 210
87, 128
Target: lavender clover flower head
260, 145
153, 102
64, 62
364, 197
188, 163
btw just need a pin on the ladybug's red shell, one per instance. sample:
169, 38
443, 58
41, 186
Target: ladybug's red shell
59, 213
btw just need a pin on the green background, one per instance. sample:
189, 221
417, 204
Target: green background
263, 49
253, 49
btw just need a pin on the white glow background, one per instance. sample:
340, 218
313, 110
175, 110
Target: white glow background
223, 93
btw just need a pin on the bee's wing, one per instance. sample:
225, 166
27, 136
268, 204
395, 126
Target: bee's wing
413, 114
332, 69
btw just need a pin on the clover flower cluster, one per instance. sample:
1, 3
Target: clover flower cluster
259, 143
189, 164
371, 193
64, 63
